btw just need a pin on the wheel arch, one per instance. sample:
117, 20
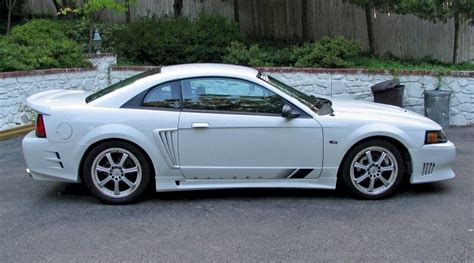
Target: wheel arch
95, 144
398, 144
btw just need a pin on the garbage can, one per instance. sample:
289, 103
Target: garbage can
437, 106
389, 92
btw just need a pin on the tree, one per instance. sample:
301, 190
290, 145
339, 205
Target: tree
10, 6
236, 12
91, 11
178, 8
369, 6
461, 11
128, 13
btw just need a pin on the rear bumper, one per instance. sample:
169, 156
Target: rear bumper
433, 163
50, 161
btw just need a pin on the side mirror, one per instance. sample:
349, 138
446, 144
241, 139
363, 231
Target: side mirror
289, 113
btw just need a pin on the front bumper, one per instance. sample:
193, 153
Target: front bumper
432, 163
50, 161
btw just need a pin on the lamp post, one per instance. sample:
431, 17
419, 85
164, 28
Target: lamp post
97, 41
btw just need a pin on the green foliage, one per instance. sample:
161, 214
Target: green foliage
94, 6
78, 30
434, 10
328, 52
39, 44
396, 64
258, 55
169, 40
382, 5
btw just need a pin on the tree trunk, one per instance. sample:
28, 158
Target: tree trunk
370, 29
236, 12
9, 20
128, 16
304, 20
178, 8
457, 36
10, 6
91, 36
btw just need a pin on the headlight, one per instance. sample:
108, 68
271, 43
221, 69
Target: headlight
435, 137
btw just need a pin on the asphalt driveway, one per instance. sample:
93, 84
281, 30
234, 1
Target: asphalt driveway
42, 221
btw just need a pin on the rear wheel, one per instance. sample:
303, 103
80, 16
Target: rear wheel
116, 172
373, 169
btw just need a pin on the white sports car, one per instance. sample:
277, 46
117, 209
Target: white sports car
212, 126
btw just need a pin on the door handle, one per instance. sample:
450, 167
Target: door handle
200, 125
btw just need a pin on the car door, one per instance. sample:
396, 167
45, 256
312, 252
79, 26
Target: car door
233, 129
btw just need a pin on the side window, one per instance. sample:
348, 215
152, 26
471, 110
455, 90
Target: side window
226, 94
163, 96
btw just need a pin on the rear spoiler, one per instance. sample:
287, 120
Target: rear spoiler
39, 101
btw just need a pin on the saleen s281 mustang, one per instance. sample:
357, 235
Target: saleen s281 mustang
211, 126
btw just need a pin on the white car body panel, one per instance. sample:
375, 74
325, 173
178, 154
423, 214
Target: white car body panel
237, 150
248, 146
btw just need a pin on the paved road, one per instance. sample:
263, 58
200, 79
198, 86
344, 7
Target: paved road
42, 221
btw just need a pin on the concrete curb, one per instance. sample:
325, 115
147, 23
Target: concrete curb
13, 132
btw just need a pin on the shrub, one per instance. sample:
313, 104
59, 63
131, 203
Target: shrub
78, 30
39, 44
238, 53
328, 52
169, 40
258, 55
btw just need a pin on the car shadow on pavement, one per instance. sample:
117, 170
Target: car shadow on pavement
404, 190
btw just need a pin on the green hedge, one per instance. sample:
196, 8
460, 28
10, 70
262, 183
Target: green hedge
39, 44
169, 40
328, 52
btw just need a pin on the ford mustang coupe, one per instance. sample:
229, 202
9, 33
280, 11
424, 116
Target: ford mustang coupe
213, 126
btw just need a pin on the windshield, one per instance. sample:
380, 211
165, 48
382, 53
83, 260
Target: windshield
122, 84
314, 103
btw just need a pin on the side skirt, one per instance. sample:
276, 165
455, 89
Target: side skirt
164, 184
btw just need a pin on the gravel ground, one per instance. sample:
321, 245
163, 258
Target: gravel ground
44, 221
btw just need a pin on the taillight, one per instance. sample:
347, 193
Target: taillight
40, 129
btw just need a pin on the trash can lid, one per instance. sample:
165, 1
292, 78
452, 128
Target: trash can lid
386, 85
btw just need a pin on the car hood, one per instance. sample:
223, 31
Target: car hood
382, 112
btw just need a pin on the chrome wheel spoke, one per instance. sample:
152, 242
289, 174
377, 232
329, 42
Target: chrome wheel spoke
109, 158
371, 185
361, 166
384, 181
130, 170
387, 168
128, 182
362, 178
116, 188
382, 157
369, 157
106, 180
123, 159
99, 168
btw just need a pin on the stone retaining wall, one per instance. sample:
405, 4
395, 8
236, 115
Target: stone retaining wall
332, 83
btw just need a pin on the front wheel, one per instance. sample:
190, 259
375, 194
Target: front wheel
116, 172
373, 169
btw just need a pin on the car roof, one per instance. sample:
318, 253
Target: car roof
202, 69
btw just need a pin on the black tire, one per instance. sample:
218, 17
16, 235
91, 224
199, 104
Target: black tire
141, 182
359, 152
